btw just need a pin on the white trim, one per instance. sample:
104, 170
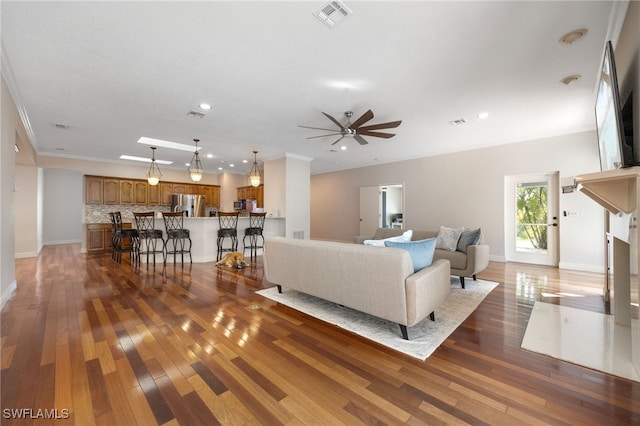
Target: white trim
13, 287
26, 254
616, 20
584, 267
55, 243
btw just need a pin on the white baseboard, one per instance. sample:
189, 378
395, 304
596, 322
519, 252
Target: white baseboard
25, 254
496, 258
581, 267
7, 294
55, 243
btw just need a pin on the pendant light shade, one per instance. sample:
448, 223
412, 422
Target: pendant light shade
195, 167
153, 177
254, 173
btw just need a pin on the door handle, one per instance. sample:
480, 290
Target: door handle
552, 224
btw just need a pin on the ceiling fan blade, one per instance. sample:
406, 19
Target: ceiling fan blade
338, 140
377, 134
317, 128
324, 136
336, 122
360, 140
363, 119
389, 125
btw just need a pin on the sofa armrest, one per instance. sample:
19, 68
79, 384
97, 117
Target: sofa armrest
426, 290
359, 239
477, 258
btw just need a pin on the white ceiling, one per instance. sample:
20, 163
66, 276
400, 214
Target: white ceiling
115, 71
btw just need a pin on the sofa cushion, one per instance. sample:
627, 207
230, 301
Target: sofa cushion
405, 236
448, 238
468, 238
457, 259
421, 251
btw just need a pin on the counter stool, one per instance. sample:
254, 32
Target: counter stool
148, 236
256, 225
228, 228
177, 235
122, 240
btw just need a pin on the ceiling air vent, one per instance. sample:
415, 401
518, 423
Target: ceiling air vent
458, 122
195, 114
332, 13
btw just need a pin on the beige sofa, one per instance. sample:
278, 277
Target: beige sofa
463, 265
376, 280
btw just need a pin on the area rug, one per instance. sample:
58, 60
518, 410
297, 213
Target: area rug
424, 337
589, 339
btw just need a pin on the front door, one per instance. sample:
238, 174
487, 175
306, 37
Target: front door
531, 219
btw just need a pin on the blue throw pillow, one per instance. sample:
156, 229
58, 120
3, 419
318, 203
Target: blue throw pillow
421, 251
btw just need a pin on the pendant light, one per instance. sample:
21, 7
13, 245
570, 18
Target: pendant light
195, 167
153, 177
254, 173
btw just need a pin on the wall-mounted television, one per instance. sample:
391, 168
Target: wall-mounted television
615, 150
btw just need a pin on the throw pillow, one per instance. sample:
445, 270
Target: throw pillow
468, 238
421, 251
448, 238
406, 236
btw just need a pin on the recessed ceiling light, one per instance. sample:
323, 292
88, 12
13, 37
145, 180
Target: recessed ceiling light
209, 155
167, 144
483, 115
220, 168
343, 147
245, 161
232, 165
205, 107
143, 159
570, 79
573, 36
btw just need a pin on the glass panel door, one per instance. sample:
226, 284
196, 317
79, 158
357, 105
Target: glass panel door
531, 219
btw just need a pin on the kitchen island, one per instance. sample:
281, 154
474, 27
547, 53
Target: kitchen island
204, 236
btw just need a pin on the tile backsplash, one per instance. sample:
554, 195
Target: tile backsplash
99, 213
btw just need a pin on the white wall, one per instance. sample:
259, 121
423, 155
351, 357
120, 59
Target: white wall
10, 121
26, 200
466, 189
62, 206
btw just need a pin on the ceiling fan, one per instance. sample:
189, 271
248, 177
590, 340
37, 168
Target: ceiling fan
356, 130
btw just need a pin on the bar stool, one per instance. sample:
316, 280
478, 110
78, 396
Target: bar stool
148, 236
256, 225
174, 226
122, 240
228, 229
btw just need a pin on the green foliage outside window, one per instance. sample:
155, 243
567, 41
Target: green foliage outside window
532, 215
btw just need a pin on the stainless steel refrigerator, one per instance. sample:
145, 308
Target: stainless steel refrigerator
193, 205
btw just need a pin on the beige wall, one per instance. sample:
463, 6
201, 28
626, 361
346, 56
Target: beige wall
27, 198
467, 189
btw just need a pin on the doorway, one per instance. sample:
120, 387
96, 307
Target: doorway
531, 219
381, 206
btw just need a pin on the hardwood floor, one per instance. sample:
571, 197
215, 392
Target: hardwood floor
107, 344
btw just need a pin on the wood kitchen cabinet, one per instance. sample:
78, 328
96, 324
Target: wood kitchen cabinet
153, 195
251, 192
93, 187
140, 192
108, 190
126, 192
99, 236
111, 192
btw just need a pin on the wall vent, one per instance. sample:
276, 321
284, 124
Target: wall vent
458, 122
298, 235
332, 13
195, 114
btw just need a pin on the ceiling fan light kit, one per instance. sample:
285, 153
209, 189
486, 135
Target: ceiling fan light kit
195, 167
356, 130
154, 175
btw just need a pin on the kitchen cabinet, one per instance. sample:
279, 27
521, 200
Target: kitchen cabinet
111, 192
93, 187
251, 192
126, 192
153, 195
140, 192
166, 191
99, 236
